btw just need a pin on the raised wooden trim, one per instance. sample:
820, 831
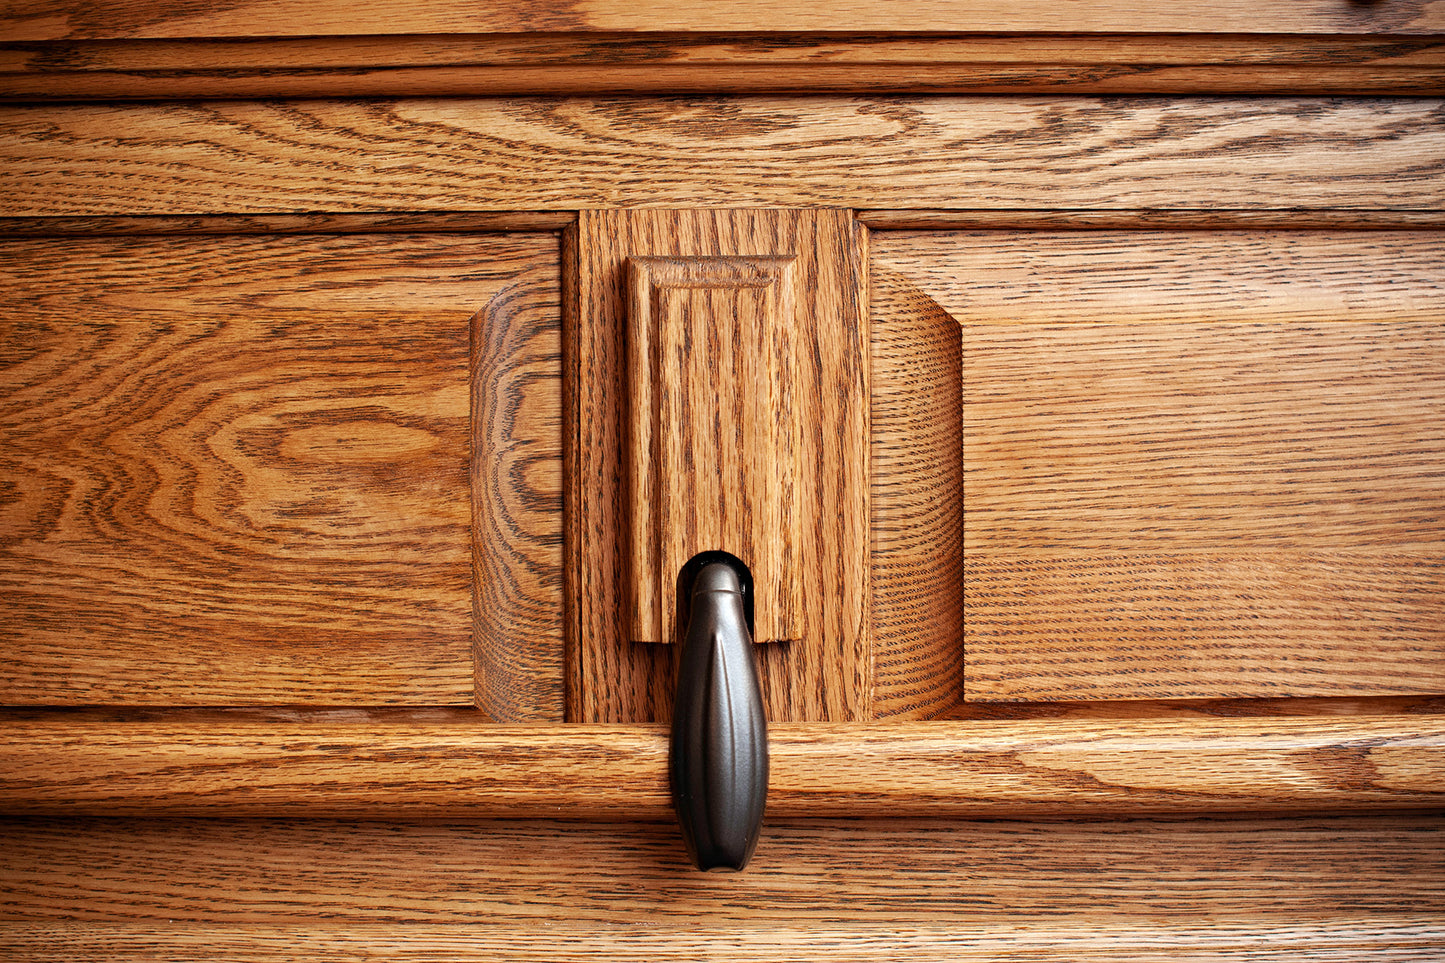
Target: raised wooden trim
74, 765
714, 433
673, 63
427, 222
31, 20
562, 154
826, 674
1156, 220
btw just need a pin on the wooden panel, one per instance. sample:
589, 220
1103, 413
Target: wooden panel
714, 434
1197, 464
825, 675
917, 503
910, 152
671, 64
516, 484
1345, 889
236, 469
402, 767
73, 19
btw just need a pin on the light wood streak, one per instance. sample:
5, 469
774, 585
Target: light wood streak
826, 674
1197, 464
25, 20
509, 65
958, 769
917, 503
1276, 890
564, 154
714, 434
235, 469
516, 486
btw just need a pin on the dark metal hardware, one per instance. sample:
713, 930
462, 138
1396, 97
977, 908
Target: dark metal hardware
719, 731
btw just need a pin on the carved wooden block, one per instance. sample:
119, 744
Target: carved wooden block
714, 432
718, 400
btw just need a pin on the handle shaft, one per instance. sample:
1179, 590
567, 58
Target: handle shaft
719, 731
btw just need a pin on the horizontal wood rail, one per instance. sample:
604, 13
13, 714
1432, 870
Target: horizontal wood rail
673, 63
432, 766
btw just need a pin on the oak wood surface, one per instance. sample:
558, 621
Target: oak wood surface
73, 19
1196, 464
516, 491
714, 434
1257, 889
916, 502
433, 222
236, 468
827, 673
670, 64
985, 768
564, 154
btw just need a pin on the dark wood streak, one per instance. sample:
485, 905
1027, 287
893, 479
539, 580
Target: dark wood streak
431, 222
671, 64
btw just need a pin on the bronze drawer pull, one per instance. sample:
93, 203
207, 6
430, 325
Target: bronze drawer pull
719, 731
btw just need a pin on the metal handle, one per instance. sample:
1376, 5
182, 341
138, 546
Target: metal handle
719, 731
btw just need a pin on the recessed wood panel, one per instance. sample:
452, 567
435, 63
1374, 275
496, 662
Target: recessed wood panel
236, 468
1197, 464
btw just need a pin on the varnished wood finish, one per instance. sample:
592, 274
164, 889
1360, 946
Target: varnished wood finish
714, 434
1153, 220
670, 64
986, 768
1341, 889
25, 20
436, 222
516, 486
235, 469
565, 154
917, 503
825, 675
1229, 493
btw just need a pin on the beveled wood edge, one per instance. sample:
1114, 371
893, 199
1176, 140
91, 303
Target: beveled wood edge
1293, 219
461, 222
600, 63
976, 769
482, 222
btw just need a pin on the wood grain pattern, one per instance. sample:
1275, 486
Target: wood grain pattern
825, 675
516, 488
714, 434
1230, 493
1258, 890
984, 768
670, 64
1153, 220
916, 507
435, 222
236, 469
565, 154
73, 19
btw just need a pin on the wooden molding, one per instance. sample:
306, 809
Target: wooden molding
408, 768
715, 433
676, 63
